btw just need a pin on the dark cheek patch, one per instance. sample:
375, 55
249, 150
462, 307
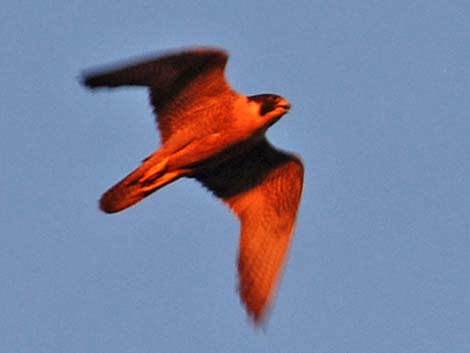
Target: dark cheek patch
266, 108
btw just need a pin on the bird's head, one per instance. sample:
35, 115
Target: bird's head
255, 114
270, 107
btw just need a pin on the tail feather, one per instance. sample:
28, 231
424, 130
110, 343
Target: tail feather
142, 182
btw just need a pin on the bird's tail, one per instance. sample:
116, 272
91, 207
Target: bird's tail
146, 179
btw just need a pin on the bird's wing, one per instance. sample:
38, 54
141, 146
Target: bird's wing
263, 187
178, 82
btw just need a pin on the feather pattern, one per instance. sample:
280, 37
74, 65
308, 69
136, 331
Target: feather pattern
214, 134
263, 187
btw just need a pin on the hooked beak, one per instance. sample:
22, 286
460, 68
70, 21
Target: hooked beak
283, 103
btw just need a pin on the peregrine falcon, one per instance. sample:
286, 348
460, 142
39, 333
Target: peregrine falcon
216, 135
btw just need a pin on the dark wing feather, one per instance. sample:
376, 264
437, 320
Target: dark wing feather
263, 187
178, 82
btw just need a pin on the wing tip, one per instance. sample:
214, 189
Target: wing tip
258, 317
258, 308
94, 79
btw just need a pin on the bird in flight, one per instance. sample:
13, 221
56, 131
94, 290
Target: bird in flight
216, 135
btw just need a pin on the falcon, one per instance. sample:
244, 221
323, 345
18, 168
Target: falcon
216, 135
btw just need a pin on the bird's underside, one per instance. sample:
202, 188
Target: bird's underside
216, 136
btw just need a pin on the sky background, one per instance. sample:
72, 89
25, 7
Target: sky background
381, 257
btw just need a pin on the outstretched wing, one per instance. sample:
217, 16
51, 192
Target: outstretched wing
263, 187
178, 82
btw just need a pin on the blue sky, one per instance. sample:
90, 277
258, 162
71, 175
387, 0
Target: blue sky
380, 260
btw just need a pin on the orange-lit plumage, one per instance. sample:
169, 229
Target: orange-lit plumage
213, 134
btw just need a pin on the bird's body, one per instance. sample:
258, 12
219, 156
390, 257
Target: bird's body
213, 134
